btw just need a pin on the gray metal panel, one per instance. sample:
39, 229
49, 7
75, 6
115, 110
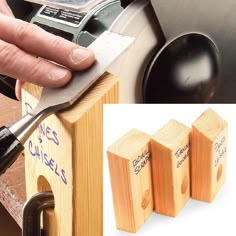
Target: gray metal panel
217, 19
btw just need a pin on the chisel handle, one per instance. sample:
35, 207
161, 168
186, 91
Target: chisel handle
13, 137
10, 149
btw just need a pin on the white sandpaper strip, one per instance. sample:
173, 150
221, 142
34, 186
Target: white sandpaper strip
107, 48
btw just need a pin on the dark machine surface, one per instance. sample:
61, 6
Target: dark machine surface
217, 20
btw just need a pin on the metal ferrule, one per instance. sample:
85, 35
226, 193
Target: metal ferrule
24, 127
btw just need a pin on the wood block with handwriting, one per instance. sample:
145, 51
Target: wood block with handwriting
209, 149
170, 167
65, 155
130, 172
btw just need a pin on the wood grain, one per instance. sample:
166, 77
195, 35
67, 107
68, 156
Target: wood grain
65, 155
170, 166
12, 183
209, 153
130, 171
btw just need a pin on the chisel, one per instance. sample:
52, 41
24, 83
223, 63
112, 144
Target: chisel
106, 48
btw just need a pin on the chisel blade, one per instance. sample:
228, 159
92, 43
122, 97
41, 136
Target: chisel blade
106, 48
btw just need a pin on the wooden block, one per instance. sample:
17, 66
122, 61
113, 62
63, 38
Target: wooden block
65, 155
170, 166
209, 148
130, 171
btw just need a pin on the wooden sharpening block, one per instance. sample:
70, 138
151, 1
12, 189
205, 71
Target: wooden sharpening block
170, 167
209, 148
64, 155
130, 172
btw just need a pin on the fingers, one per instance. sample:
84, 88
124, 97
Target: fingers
5, 9
19, 84
18, 64
19, 41
36, 41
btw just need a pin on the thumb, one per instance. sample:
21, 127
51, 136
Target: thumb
19, 84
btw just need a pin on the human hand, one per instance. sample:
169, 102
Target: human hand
28, 53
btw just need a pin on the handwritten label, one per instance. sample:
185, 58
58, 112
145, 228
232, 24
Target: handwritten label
141, 161
48, 133
36, 150
28, 107
182, 154
220, 149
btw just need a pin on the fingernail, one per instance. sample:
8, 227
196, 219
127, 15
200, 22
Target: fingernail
58, 74
80, 54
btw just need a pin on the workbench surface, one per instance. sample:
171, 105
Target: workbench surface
12, 183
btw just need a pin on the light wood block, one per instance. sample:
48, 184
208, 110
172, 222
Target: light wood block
209, 151
170, 166
65, 155
130, 172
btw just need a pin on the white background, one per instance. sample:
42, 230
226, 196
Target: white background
196, 218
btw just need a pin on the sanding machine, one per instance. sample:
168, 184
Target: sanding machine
183, 53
